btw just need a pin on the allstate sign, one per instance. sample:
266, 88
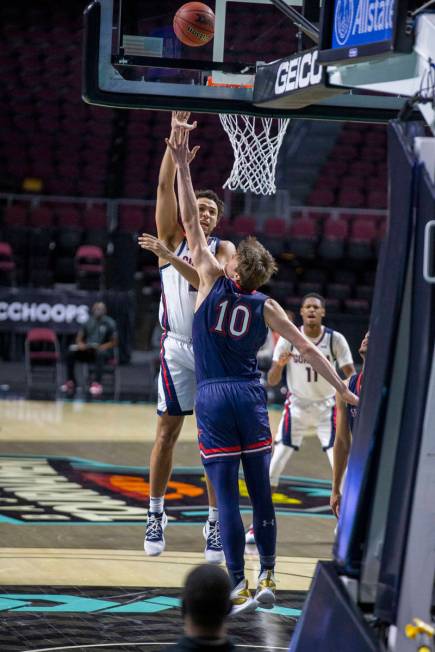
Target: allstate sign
360, 22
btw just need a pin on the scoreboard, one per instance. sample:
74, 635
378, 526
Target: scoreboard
356, 30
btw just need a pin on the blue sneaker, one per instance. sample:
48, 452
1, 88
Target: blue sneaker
154, 543
213, 549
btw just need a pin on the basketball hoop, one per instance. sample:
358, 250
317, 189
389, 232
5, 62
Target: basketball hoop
256, 143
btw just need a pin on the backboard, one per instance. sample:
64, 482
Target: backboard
133, 59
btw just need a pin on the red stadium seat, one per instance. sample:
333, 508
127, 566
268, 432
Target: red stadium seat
303, 238
42, 357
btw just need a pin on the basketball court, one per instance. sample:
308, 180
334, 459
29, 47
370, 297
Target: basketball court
74, 481
64, 566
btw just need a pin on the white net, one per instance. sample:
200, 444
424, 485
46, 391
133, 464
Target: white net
256, 143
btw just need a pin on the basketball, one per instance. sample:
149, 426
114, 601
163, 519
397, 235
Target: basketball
194, 24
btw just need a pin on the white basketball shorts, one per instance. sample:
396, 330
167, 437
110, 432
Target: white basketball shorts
301, 416
176, 391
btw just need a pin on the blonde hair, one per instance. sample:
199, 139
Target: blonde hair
255, 265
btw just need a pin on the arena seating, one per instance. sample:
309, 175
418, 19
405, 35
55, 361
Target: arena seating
48, 134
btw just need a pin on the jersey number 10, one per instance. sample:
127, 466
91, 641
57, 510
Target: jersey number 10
237, 322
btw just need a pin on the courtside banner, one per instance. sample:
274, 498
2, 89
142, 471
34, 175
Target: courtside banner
293, 82
61, 310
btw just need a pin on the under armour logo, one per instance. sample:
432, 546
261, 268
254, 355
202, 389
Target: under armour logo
271, 523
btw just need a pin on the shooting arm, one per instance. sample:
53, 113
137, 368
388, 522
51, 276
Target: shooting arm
203, 260
168, 228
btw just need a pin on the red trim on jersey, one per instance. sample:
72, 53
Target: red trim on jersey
359, 383
239, 287
163, 364
259, 444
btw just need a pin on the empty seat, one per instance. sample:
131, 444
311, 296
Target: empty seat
377, 198
342, 275
363, 233
332, 305
243, 226
309, 287
89, 261
364, 292
338, 291
131, 219
357, 306
41, 217
274, 236
303, 238
42, 357
315, 275
322, 197
332, 243
351, 198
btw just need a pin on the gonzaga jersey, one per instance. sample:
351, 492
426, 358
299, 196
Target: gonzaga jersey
177, 303
302, 380
228, 330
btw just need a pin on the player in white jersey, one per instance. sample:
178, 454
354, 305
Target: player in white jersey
310, 401
176, 386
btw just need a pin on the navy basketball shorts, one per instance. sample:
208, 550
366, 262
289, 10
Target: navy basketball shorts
232, 420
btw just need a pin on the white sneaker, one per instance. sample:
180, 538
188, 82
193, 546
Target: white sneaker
250, 536
154, 542
242, 599
266, 588
213, 551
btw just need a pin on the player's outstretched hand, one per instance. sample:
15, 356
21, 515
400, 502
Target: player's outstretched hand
179, 146
181, 118
334, 503
349, 397
155, 245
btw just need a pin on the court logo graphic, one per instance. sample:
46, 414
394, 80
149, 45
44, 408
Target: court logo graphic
69, 490
343, 20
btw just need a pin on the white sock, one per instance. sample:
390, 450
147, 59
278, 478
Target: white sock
213, 514
280, 457
330, 454
156, 504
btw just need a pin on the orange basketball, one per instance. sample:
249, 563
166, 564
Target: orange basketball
194, 24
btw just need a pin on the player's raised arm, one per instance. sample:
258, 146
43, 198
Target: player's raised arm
277, 320
203, 260
168, 228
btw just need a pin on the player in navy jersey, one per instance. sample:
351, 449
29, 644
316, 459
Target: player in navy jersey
229, 326
346, 415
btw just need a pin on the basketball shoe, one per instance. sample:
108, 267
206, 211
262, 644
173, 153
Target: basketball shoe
241, 599
154, 543
250, 536
266, 588
213, 548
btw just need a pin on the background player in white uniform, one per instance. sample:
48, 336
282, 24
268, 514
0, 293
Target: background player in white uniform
310, 402
177, 377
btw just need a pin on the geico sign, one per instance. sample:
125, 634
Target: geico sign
43, 312
298, 72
